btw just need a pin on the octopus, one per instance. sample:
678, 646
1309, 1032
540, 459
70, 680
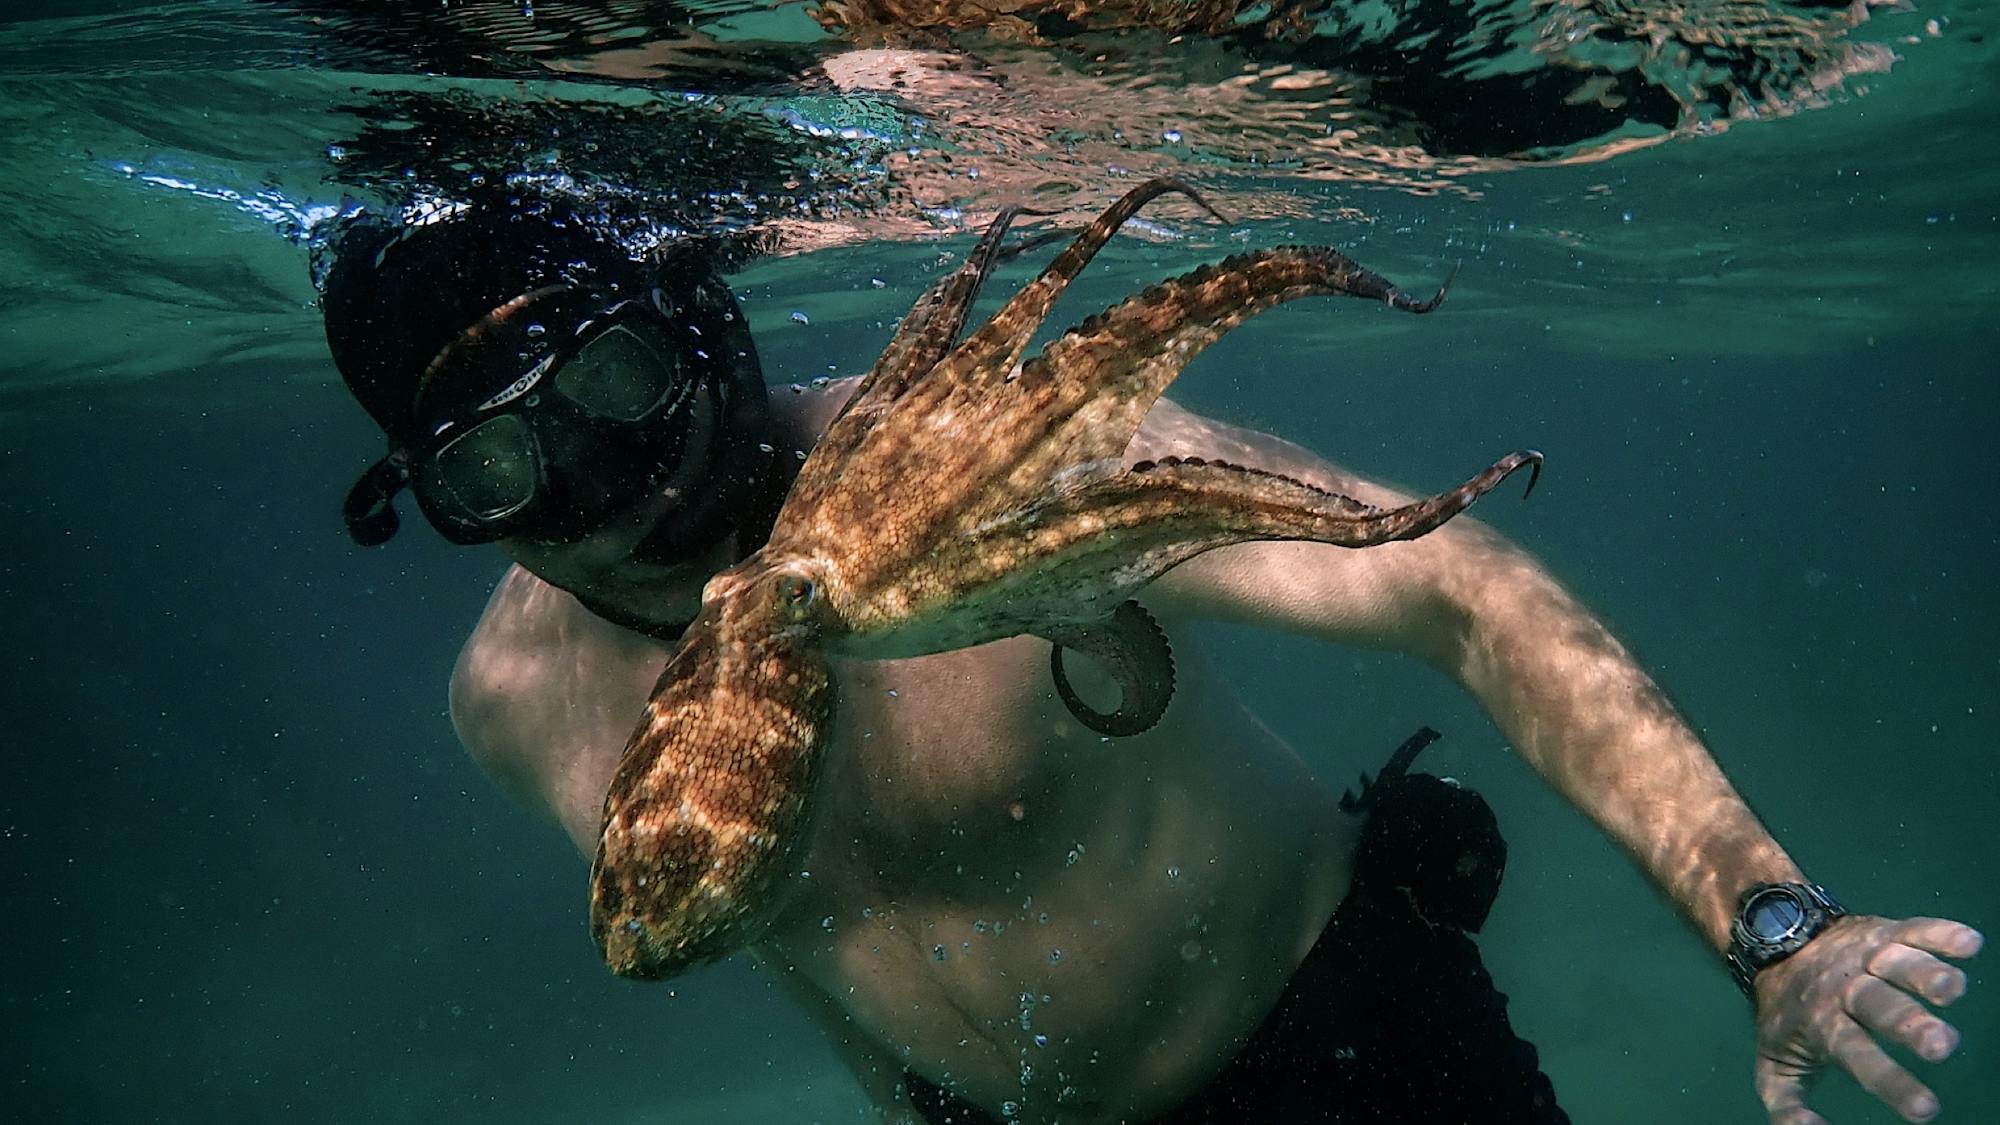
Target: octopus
962, 495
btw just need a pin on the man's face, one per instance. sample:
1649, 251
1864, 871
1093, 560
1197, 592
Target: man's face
611, 563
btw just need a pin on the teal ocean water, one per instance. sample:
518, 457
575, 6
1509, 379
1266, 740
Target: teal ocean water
249, 876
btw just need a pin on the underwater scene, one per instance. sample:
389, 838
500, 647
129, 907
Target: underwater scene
1727, 266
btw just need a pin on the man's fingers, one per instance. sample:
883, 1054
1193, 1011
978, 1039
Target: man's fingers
1889, 1011
1844, 1012
1857, 1053
1939, 935
1784, 1095
1917, 971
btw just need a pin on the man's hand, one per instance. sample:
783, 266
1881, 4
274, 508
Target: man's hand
1860, 978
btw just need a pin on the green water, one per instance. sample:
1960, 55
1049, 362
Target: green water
251, 877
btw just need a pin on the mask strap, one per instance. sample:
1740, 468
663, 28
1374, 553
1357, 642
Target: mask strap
369, 509
476, 331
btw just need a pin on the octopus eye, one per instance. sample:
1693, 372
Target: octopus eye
796, 593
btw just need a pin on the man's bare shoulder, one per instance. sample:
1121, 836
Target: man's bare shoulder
525, 624
542, 680
534, 637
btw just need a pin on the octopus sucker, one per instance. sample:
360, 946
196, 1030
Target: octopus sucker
961, 496
1130, 645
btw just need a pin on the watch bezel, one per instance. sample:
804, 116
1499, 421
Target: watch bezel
1750, 952
1796, 895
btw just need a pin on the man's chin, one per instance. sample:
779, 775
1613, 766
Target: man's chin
668, 545
603, 566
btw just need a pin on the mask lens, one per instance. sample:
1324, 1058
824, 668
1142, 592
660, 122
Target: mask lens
492, 470
621, 375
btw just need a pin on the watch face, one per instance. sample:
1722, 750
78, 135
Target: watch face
1774, 914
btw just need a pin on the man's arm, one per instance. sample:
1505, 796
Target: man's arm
1559, 686
1576, 705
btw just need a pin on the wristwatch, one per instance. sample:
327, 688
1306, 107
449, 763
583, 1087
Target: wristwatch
1774, 921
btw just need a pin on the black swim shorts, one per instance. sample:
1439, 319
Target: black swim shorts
1392, 1017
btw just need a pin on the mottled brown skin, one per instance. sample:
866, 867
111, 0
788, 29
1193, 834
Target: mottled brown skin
959, 498
710, 799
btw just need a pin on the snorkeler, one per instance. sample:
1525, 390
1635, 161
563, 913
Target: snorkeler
1006, 919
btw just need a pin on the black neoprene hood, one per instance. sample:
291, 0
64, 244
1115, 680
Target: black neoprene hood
395, 296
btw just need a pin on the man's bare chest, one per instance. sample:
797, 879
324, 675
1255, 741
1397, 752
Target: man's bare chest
940, 757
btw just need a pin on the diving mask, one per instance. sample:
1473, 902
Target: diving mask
543, 419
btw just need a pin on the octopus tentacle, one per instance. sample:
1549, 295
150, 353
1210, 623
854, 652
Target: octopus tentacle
925, 337
1108, 371
709, 803
993, 351
1113, 536
1134, 649
962, 458
929, 332
1217, 501
969, 453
